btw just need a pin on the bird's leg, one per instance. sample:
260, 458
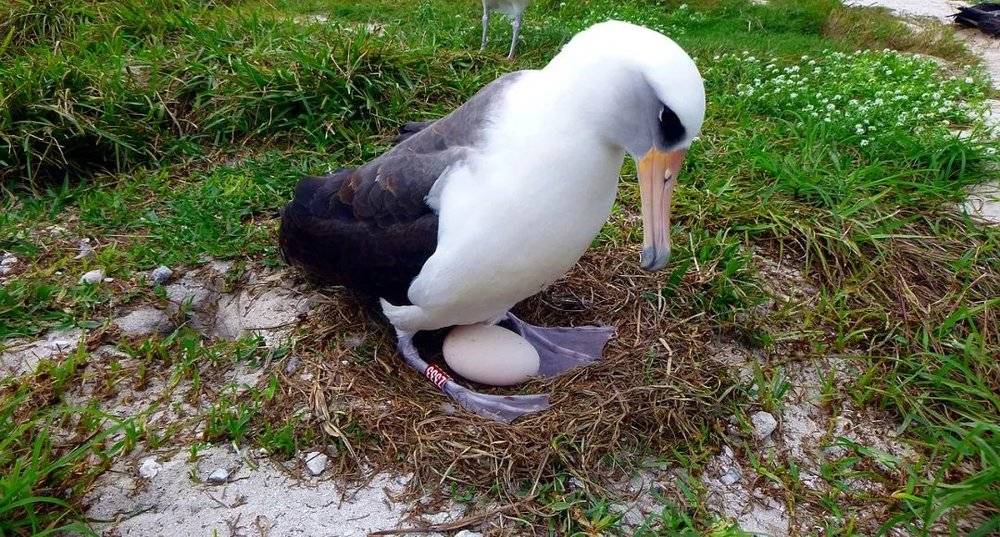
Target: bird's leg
486, 27
505, 408
562, 349
517, 32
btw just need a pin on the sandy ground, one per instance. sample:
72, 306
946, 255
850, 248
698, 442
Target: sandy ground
222, 492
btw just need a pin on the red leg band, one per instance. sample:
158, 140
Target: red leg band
436, 375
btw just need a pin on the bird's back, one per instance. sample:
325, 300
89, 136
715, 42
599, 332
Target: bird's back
370, 228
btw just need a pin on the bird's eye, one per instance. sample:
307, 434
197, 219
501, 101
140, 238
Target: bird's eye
671, 129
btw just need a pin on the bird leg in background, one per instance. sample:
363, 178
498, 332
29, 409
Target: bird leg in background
504, 408
517, 31
486, 27
562, 349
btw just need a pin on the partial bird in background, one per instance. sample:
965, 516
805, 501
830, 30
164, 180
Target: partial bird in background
513, 9
985, 16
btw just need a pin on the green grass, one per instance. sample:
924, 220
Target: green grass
41, 478
177, 134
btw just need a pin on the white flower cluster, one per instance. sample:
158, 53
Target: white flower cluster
863, 98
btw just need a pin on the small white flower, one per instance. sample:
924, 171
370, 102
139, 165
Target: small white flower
864, 143
991, 151
968, 80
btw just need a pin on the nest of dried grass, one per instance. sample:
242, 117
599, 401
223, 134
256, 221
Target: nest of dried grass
656, 386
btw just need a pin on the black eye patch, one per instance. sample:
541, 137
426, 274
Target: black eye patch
671, 128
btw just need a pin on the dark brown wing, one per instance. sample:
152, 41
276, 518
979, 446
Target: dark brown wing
370, 228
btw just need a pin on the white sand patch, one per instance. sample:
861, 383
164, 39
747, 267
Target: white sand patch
22, 356
266, 306
256, 497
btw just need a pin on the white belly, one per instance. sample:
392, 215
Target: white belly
502, 239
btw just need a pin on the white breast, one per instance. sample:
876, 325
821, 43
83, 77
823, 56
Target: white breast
514, 219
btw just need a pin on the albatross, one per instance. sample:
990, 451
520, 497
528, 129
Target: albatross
472, 213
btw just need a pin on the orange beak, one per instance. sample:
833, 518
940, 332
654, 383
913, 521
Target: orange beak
657, 177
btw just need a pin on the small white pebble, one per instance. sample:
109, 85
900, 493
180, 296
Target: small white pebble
92, 277
218, 476
160, 275
316, 462
763, 424
149, 468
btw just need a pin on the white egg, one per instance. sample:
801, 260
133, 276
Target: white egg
490, 354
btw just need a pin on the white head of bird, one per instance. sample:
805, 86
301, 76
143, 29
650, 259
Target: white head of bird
661, 107
616, 89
